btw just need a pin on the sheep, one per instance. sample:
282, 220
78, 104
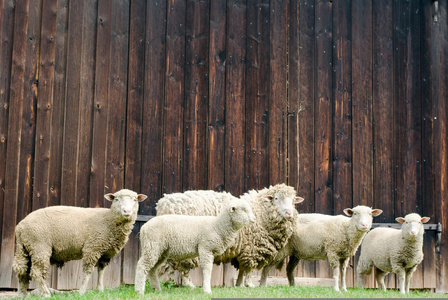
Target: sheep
57, 234
257, 244
319, 237
179, 237
399, 251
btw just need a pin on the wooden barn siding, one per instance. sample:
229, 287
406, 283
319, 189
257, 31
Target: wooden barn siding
344, 100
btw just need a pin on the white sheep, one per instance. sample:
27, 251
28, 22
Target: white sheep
319, 237
399, 251
178, 237
257, 244
57, 234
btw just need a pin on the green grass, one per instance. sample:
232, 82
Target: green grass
173, 292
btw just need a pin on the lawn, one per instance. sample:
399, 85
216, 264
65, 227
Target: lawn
174, 292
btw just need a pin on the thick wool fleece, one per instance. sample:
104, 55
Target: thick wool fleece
255, 245
180, 237
393, 250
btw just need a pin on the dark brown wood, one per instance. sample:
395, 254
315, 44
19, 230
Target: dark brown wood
235, 97
278, 105
196, 95
362, 102
174, 97
323, 114
217, 96
257, 95
153, 116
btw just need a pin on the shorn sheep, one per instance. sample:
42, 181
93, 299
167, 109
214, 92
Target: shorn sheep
399, 251
57, 234
180, 237
257, 244
319, 237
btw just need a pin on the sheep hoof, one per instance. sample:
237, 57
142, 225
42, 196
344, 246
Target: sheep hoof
207, 291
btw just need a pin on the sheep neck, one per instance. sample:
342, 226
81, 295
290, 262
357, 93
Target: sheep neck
353, 234
226, 228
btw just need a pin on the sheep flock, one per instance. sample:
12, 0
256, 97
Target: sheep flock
254, 231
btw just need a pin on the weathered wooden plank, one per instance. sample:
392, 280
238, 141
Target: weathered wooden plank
362, 102
257, 95
323, 117
235, 97
101, 105
278, 105
13, 138
174, 97
153, 117
301, 108
407, 93
440, 94
44, 105
217, 99
196, 95
134, 123
6, 47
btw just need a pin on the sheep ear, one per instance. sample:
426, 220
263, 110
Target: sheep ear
268, 198
425, 219
400, 220
298, 200
109, 197
141, 197
376, 212
348, 212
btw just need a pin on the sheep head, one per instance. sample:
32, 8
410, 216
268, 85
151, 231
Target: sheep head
284, 198
412, 225
362, 216
125, 202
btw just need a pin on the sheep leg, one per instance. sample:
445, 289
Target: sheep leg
40, 264
379, 277
239, 280
344, 264
292, 264
186, 281
89, 261
206, 263
264, 275
401, 280
409, 273
362, 269
24, 282
248, 279
21, 266
334, 263
140, 275
102, 263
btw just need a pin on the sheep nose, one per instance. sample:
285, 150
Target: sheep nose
127, 212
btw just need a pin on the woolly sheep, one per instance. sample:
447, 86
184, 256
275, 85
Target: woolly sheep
318, 237
180, 237
257, 244
57, 234
399, 251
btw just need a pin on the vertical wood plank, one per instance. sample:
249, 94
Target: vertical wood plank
196, 95
257, 95
342, 118
362, 102
383, 114
6, 54
101, 104
235, 96
323, 117
217, 96
440, 94
301, 108
278, 100
174, 96
134, 124
153, 116
407, 85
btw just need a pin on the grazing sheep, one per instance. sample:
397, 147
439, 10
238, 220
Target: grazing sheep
399, 251
180, 237
257, 244
318, 237
57, 234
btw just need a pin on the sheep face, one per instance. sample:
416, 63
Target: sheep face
284, 198
412, 225
125, 202
241, 213
362, 216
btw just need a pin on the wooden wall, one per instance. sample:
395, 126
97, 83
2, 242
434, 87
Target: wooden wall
344, 100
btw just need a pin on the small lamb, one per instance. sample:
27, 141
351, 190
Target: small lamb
57, 234
179, 237
318, 237
399, 251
